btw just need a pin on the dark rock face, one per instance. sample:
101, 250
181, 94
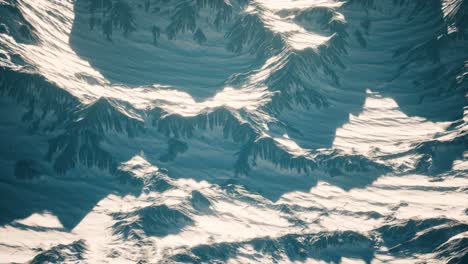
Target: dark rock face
62, 253
175, 147
27, 169
200, 202
325, 246
13, 23
454, 251
158, 220
422, 236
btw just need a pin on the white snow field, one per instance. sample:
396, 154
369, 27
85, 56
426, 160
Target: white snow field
233, 131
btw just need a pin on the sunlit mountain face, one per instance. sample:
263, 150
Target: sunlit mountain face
233, 131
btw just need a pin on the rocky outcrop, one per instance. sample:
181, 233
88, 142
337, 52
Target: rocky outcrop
157, 220
292, 247
73, 252
13, 23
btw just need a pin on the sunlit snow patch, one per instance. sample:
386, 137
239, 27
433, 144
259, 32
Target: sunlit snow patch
382, 126
41, 220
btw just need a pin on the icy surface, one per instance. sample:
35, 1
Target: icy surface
233, 131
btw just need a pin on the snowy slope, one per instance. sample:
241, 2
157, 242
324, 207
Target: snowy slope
233, 131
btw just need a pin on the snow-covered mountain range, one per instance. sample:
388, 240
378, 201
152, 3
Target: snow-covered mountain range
233, 131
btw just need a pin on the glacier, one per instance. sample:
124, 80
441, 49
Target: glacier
233, 131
